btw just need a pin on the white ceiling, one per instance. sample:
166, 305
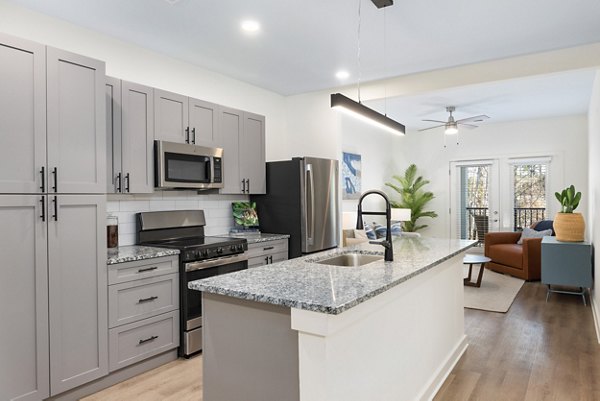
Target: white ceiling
304, 42
512, 100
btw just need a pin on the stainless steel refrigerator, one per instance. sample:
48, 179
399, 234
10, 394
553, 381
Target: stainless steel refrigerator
302, 201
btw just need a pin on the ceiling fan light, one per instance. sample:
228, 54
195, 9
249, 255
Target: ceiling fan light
451, 129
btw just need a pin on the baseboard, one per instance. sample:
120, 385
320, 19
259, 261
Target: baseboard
444, 370
595, 314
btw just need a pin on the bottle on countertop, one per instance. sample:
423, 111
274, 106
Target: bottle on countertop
112, 231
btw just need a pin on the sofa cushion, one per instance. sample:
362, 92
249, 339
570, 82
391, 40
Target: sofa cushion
531, 233
507, 254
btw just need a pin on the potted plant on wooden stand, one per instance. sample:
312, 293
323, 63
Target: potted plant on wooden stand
569, 226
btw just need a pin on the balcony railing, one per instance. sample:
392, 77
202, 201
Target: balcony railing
476, 222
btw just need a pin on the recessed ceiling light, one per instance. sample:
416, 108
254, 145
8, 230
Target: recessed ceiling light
250, 26
342, 74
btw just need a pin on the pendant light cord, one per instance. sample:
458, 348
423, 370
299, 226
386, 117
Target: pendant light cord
385, 61
358, 50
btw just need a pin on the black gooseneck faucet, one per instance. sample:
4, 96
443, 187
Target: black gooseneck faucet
387, 244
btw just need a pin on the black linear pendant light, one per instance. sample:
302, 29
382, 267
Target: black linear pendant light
359, 110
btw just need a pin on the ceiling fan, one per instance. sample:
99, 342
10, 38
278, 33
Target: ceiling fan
451, 126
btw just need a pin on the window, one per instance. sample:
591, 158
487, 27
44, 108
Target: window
529, 193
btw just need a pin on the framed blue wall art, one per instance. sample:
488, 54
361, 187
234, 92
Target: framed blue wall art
351, 172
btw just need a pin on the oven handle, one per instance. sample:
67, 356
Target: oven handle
220, 261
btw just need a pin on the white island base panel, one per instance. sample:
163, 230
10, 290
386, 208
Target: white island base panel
398, 345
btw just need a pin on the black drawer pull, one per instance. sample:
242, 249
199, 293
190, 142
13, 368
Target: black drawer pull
147, 340
271, 259
43, 173
268, 248
147, 269
142, 300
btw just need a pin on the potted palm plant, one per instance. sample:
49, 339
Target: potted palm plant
569, 226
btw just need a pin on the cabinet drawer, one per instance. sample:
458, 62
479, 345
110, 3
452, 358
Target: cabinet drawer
135, 300
128, 271
134, 342
266, 259
267, 248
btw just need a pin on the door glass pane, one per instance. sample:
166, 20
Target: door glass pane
474, 202
529, 194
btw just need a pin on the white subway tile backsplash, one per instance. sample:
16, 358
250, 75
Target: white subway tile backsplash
127, 228
126, 239
186, 204
135, 206
161, 205
112, 206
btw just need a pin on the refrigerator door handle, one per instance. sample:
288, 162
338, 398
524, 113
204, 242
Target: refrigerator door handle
310, 233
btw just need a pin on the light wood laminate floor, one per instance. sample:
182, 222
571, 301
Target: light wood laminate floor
537, 351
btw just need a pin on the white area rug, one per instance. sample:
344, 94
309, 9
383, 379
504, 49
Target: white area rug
497, 291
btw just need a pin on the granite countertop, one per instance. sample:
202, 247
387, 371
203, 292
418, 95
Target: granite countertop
263, 237
301, 283
131, 253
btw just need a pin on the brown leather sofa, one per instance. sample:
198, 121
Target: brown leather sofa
522, 261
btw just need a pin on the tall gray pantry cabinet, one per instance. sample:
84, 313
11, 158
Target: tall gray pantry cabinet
52, 211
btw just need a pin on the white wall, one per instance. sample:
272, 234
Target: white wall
593, 221
562, 138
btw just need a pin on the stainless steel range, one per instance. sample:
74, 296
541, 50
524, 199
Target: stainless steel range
201, 257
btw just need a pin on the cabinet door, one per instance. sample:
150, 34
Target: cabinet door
23, 299
22, 115
204, 121
171, 117
230, 130
113, 135
138, 138
77, 290
76, 123
252, 154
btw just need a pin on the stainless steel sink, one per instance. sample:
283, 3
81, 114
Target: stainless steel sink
350, 259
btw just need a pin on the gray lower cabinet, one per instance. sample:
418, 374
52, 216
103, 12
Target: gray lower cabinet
24, 353
77, 299
143, 310
130, 137
54, 338
242, 137
23, 120
264, 253
184, 119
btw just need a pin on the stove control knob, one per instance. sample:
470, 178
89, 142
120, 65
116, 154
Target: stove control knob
232, 248
240, 247
205, 253
219, 250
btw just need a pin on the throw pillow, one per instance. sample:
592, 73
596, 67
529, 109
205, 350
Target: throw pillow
531, 233
380, 230
544, 225
369, 231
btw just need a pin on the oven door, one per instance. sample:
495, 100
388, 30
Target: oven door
191, 302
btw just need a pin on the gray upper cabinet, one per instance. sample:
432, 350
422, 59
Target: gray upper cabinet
78, 311
171, 117
184, 119
23, 115
130, 139
204, 122
23, 299
114, 179
76, 140
252, 154
242, 136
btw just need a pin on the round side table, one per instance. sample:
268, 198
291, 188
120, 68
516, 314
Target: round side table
471, 259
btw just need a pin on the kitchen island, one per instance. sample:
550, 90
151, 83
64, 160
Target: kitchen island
302, 330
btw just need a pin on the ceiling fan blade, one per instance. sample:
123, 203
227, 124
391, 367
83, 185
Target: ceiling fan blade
468, 126
478, 118
437, 126
435, 121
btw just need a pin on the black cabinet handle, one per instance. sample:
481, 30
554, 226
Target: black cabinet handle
43, 173
268, 248
267, 260
243, 185
142, 300
194, 135
119, 182
55, 215
271, 259
147, 340
55, 174
248, 185
127, 182
187, 134
43, 202
147, 269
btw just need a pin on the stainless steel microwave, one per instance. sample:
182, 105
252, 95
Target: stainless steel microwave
181, 165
